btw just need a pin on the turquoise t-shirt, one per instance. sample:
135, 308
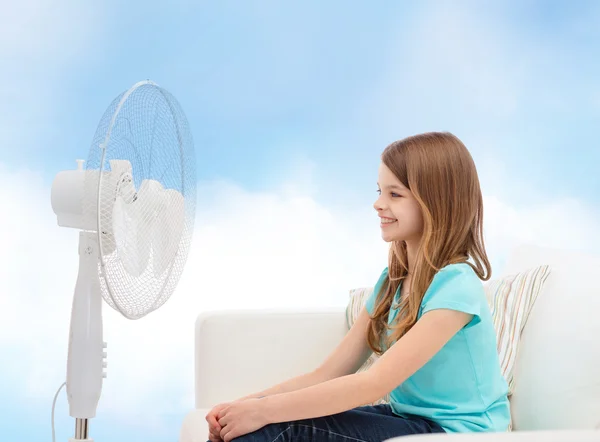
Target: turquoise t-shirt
461, 387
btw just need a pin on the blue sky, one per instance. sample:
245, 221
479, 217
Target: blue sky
290, 105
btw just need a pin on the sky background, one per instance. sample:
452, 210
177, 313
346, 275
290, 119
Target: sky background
290, 105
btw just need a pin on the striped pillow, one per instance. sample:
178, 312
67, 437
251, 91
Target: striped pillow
511, 299
358, 298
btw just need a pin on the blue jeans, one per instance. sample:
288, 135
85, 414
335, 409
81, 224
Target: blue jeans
362, 424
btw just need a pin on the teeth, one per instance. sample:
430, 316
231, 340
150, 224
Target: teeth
387, 221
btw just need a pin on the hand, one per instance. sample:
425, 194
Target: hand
240, 418
213, 426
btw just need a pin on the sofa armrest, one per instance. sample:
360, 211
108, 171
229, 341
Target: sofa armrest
240, 352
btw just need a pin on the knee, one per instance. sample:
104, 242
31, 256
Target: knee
268, 433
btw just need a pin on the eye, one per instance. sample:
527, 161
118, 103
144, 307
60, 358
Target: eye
378, 191
395, 195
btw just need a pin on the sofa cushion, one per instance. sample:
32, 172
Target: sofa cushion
511, 299
557, 384
194, 427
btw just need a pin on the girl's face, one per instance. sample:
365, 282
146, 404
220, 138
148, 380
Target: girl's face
400, 213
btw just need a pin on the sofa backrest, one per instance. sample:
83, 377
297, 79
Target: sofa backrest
557, 371
242, 352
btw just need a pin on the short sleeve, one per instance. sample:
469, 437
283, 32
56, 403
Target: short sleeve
455, 287
371, 300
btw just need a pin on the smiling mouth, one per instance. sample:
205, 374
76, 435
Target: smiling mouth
388, 220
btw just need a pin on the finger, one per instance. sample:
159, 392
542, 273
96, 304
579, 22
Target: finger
222, 412
223, 421
215, 410
210, 417
212, 421
230, 435
224, 432
220, 407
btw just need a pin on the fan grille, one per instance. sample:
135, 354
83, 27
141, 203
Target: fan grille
148, 128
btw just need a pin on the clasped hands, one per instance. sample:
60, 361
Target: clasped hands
229, 420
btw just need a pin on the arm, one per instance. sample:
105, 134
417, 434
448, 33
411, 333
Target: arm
293, 384
396, 365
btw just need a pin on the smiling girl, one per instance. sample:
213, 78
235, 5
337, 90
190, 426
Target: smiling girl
427, 318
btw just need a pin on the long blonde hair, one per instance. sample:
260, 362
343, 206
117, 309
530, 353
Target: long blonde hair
439, 171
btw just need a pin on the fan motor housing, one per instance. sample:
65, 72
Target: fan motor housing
67, 198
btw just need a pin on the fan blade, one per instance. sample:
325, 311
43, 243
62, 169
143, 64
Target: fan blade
168, 227
133, 224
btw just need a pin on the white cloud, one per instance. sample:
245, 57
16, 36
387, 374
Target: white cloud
563, 223
250, 251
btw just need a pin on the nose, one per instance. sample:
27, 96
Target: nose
378, 205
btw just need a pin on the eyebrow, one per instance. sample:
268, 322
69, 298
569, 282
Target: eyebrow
393, 186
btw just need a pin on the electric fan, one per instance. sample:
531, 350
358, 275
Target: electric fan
134, 204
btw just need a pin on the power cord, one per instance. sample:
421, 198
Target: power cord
53, 406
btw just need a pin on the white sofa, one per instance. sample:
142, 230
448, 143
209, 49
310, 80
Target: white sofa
557, 373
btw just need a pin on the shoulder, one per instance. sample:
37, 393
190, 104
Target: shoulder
456, 275
455, 286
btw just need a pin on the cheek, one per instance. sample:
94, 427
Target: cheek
410, 216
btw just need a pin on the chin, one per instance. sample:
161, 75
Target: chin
389, 238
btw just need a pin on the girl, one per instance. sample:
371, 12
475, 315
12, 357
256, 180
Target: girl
428, 318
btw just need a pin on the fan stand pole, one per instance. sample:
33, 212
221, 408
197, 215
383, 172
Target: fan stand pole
85, 357
81, 430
